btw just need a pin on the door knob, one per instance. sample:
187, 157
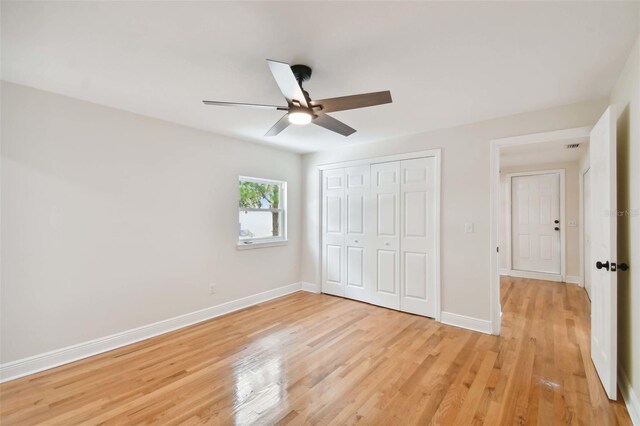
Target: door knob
556, 228
355, 241
556, 221
623, 267
386, 244
601, 265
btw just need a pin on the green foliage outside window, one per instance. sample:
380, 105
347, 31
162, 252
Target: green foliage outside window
262, 195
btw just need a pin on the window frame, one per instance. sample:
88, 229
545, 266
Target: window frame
264, 241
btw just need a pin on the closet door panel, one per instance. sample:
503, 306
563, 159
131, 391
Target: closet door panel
385, 239
357, 237
418, 236
334, 272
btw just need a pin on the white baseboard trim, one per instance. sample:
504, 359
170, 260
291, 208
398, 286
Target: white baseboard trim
505, 272
535, 275
463, 321
24, 367
310, 287
631, 400
572, 279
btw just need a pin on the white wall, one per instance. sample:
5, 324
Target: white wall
626, 100
111, 221
465, 258
572, 211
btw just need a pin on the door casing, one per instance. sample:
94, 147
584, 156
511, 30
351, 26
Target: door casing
584, 207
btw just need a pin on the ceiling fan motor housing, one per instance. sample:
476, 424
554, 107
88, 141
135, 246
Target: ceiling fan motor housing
301, 72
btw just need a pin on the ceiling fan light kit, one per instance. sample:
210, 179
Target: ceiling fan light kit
299, 116
301, 109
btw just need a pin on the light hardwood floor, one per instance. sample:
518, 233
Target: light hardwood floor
317, 359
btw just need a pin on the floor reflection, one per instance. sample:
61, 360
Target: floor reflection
260, 382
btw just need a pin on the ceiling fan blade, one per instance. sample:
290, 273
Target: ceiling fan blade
287, 82
282, 124
354, 101
239, 104
330, 123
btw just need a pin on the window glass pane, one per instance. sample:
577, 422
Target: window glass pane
259, 195
259, 225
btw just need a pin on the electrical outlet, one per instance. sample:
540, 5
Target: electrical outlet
212, 288
572, 223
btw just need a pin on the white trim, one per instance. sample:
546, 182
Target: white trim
437, 154
631, 400
494, 205
562, 200
261, 180
572, 279
383, 159
581, 230
255, 244
23, 367
505, 271
552, 136
470, 323
310, 287
535, 275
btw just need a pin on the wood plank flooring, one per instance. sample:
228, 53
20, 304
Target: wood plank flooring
317, 359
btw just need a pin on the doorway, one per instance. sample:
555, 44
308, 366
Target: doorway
500, 167
602, 235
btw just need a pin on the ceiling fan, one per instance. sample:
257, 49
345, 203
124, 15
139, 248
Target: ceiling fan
301, 109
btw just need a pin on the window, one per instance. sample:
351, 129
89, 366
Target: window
262, 211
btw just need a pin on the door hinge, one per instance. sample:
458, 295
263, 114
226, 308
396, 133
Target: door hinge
497, 249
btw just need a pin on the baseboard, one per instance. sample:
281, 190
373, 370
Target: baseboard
535, 275
631, 400
463, 321
572, 279
505, 271
23, 367
310, 287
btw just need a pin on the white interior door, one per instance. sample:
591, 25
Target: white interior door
604, 308
588, 264
357, 238
385, 238
334, 230
535, 223
418, 245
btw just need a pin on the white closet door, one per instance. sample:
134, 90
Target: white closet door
334, 230
418, 244
357, 238
385, 238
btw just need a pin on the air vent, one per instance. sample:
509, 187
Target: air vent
572, 145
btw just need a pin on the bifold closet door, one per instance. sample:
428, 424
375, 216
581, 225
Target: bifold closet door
357, 240
334, 230
418, 230
385, 238
379, 228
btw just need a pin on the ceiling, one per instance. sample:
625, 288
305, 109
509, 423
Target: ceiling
446, 64
542, 153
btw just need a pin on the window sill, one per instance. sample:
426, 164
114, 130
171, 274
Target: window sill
261, 244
